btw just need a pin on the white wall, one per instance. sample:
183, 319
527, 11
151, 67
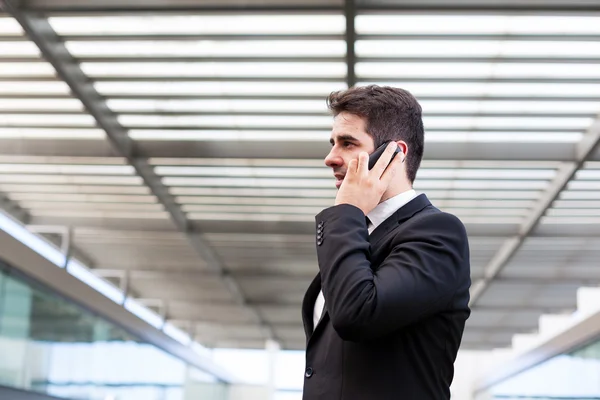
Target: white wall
469, 367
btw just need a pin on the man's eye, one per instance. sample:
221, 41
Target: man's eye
348, 144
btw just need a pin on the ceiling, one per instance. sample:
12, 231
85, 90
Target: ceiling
183, 150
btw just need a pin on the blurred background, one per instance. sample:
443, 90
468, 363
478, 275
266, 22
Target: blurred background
161, 163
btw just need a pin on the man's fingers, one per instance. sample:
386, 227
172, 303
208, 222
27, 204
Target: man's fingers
392, 169
384, 160
363, 163
352, 167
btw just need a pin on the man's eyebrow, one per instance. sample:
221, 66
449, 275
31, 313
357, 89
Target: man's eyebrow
346, 137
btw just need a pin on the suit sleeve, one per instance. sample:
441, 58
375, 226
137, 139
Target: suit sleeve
419, 277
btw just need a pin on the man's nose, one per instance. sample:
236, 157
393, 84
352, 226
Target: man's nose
333, 160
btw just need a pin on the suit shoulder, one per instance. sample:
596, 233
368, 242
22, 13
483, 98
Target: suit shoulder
433, 218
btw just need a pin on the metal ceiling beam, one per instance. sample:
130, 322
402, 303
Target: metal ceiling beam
180, 6
489, 7
13, 209
39, 30
584, 151
301, 277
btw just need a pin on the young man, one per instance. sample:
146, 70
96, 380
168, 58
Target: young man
384, 317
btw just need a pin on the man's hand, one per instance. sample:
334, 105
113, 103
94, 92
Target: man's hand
363, 188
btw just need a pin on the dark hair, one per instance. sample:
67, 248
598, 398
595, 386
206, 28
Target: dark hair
390, 113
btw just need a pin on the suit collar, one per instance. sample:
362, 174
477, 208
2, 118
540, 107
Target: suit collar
401, 215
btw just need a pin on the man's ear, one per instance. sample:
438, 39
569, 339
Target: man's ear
403, 146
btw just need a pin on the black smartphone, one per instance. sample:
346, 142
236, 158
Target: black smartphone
374, 156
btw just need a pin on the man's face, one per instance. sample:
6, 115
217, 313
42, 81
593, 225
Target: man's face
348, 138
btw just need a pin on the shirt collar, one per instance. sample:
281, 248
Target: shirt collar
385, 209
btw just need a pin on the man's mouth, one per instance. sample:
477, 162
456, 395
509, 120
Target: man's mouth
338, 180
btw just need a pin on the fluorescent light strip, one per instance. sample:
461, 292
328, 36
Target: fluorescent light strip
324, 183
428, 173
48, 119
144, 313
583, 185
218, 88
68, 160
483, 204
234, 121
85, 198
323, 137
503, 137
485, 174
196, 203
569, 212
484, 212
216, 191
72, 179
99, 214
256, 201
10, 26
310, 219
588, 174
579, 195
330, 194
448, 195
34, 88
18, 49
82, 273
40, 133
89, 206
49, 190
229, 135
254, 48
66, 169
241, 209
506, 123
41, 104
468, 220
205, 106
251, 217
199, 24
491, 89
26, 69
245, 171
318, 163
476, 70
222, 70
567, 220
325, 122
583, 204
477, 24
516, 107
34, 242
475, 48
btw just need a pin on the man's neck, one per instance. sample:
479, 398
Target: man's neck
396, 190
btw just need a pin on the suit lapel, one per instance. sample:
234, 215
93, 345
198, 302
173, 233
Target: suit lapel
402, 214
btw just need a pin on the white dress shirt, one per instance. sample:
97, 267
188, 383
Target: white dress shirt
377, 216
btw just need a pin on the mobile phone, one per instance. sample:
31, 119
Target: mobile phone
374, 156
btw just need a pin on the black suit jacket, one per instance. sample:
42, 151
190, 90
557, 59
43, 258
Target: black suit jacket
396, 303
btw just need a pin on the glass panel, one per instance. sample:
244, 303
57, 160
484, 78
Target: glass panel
569, 376
52, 346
